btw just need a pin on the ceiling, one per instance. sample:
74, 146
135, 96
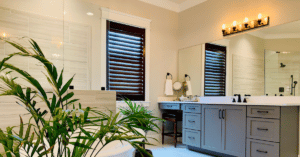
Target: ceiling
174, 5
290, 30
177, 1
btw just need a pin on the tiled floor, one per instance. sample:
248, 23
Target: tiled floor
171, 151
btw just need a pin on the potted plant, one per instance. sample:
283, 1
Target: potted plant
64, 129
147, 121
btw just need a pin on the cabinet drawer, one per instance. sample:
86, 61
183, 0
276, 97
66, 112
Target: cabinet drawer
263, 129
257, 148
170, 106
263, 112
192, 108
192, 121
191, 138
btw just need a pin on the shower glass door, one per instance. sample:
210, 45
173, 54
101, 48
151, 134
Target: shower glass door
282, 73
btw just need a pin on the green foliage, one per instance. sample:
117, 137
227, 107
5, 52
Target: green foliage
64, 128
140, 116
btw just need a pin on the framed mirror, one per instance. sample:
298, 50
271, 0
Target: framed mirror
260, 62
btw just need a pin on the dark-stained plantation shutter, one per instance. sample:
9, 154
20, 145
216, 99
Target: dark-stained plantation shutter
126, 61
215, 70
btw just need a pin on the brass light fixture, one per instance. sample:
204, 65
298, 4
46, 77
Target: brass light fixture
246, 25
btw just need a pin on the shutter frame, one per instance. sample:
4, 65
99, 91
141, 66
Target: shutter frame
215, 70
125, 61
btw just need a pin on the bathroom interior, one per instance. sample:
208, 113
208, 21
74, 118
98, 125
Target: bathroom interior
245, 104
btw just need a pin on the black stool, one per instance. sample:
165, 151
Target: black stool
172, 117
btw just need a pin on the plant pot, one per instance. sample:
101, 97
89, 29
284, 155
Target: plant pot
139, 154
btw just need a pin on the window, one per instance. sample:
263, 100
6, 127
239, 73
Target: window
215, 70
126, 61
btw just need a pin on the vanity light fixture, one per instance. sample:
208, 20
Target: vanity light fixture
246, 25
259, 18
223, 28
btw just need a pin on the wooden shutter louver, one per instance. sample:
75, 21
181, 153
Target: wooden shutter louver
215, 70
126, 61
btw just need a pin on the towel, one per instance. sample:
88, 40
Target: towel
169, 87
189, 88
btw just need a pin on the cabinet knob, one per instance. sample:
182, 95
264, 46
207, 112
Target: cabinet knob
191, 137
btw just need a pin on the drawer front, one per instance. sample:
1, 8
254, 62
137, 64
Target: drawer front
191, 138
192, 108
257, 148
263, 129
170, 106
263, 112
192, 121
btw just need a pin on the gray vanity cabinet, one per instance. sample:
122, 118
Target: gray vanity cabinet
234, 130
191, 125
224, 129
211, 127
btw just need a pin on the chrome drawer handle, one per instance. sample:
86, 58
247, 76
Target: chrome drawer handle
192, 121
191, 137
262, 111
260, 151
261, 129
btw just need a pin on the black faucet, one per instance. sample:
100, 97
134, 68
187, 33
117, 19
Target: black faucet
239, 97
245, 99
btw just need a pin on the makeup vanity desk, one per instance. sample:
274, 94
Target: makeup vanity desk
239, 129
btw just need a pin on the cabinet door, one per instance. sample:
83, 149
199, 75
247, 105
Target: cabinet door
211, 128
234, 130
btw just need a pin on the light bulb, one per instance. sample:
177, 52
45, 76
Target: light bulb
4, 35
246, 20
259, 16
223, 26
266, 20
234, 23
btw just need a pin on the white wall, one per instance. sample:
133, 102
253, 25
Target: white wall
247, 65
190, 63
163, 42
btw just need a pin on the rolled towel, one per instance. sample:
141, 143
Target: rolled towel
189, 88
169, 87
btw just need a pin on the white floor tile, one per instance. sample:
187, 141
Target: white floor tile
170, 151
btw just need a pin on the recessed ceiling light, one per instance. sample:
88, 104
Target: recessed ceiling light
90, 13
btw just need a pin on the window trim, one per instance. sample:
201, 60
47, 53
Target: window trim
127, 19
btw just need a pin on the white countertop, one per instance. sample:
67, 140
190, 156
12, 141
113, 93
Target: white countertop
241, 104
253, 101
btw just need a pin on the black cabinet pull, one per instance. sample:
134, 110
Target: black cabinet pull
192, 108
223, 114
220, 114
191, 137
261, 129
262, 111
191, 121
260, 151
